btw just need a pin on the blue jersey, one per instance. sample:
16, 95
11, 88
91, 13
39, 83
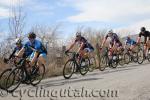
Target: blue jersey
130, 42
37, 45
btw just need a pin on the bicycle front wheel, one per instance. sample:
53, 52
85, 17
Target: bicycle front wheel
3, 78
69, 69
103, 63
14, 79
140, 56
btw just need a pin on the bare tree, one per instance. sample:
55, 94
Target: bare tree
16, 20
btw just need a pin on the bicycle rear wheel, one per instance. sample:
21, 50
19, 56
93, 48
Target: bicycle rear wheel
148, 56
84, 66
69, 69
92, 64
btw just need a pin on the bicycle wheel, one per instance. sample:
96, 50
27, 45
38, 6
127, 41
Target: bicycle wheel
135, 57
121, 59
148, 56
127, 58
103, 63
38, 75
114, 61
140, 56
3, 78
69, 69
14, 80
84, 66
92, 64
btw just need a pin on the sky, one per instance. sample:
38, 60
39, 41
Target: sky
99, 14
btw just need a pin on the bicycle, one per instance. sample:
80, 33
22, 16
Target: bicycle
21, 74
74, 64
3, 76
105, 60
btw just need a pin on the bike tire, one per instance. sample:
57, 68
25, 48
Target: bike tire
103, 63
14, 76
37, 78
67, 67
92, 64
127, 58
84, 68
121, 59
3, 78
140, 55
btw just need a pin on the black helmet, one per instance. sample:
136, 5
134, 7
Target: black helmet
32, 35
143, 29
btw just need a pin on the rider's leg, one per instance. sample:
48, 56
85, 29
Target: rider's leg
89, 52
42, 59
148, 47
132, 48
33, 58
145, 50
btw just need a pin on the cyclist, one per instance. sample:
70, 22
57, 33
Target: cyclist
146, 35
84, 45
115, 44
35, 50
130, 42
18, 47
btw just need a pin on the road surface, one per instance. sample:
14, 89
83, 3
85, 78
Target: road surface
130, 82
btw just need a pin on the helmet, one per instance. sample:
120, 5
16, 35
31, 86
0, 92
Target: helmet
78, 34
143, 29
110, 31
32, 35
18, 41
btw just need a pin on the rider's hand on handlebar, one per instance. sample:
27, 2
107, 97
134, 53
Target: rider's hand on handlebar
100, 48
66, 51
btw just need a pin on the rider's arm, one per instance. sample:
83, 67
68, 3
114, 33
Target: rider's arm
125, 44
81, 47
71, 46
147, 40
114, 44
104, 40
139, 38
21, 52
12, 54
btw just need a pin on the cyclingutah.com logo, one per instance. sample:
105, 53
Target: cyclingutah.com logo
61, 93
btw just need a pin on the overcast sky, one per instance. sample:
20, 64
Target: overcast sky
111, 14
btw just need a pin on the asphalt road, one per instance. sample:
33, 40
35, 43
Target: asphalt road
130, 82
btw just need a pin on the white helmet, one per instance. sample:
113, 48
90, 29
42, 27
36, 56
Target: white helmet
18, 41
78, 34
110, 31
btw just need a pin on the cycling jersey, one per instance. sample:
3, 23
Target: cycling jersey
16, 50
37, 45
86, 44
145, 34
130, 42
114, 38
